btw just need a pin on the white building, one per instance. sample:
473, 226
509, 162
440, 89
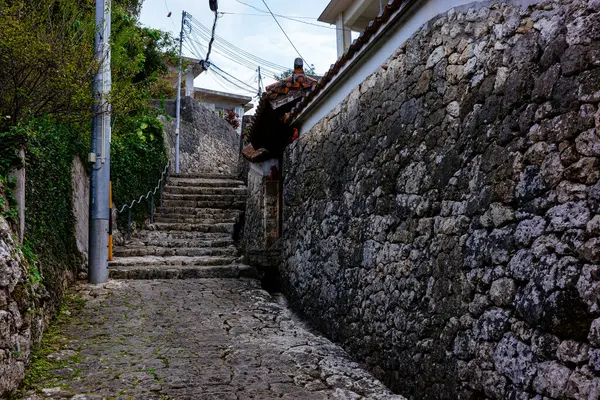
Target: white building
222, 101
350, 15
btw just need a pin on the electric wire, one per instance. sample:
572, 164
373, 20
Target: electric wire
239, 53
232, 56
266, 12
212, 39
169, 16
203, 28
231, 82
288, 18
197, 47
237, 59
286, 35
231, 76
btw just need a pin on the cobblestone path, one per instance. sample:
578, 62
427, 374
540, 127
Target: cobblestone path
197, 339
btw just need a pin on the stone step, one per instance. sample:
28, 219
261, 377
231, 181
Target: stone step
168, 197
206, 228
196, 182
199, 212
193, 220
183, 272
204, 175
170, 260
205, 190
165, 251
180, 243
182, 235
238, 204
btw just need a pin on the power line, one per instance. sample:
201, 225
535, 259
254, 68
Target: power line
232, 83
231, 76
217, 82
289, 18
169, 15
206, 62
239, 50
236, 51
282, 30
251, 65
267, 13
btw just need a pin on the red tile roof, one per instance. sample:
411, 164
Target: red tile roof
280, 93
355, 48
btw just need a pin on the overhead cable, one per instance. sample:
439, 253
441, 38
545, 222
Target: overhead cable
214, 7
286, 17
221, 76
231, 76
286, 35
277, 15
199, 25
232, 56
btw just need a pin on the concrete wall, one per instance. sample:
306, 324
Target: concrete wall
443, 221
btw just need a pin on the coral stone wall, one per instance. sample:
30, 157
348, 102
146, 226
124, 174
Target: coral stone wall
254, 229
20, 326
208, 144
443, 223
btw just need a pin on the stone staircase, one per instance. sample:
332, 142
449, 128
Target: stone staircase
192, 235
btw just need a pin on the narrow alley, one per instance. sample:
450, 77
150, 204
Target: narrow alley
207, 332
196, 339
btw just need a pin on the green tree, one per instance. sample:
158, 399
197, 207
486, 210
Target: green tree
46, 58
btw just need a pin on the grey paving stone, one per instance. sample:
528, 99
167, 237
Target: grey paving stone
199, 339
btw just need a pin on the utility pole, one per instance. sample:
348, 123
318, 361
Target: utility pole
178, 106
100, 154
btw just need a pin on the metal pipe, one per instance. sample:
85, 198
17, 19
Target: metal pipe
152, 208
129, 224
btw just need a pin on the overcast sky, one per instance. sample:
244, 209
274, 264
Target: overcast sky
256, 34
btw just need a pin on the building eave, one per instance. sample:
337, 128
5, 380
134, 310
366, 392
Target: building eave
243, 101
360, 47
333, 9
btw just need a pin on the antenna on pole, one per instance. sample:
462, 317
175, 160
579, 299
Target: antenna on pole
259, 82
178, 106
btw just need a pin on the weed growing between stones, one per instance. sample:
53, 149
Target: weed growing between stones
49, 358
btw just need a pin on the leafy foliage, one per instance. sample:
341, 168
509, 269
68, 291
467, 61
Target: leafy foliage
139, 61
139, 160
46, 53
49, 221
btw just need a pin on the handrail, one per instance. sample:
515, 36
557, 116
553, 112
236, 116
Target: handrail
160, 186
151, 192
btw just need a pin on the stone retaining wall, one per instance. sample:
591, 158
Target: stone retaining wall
21, 322
442, 223
208, 144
